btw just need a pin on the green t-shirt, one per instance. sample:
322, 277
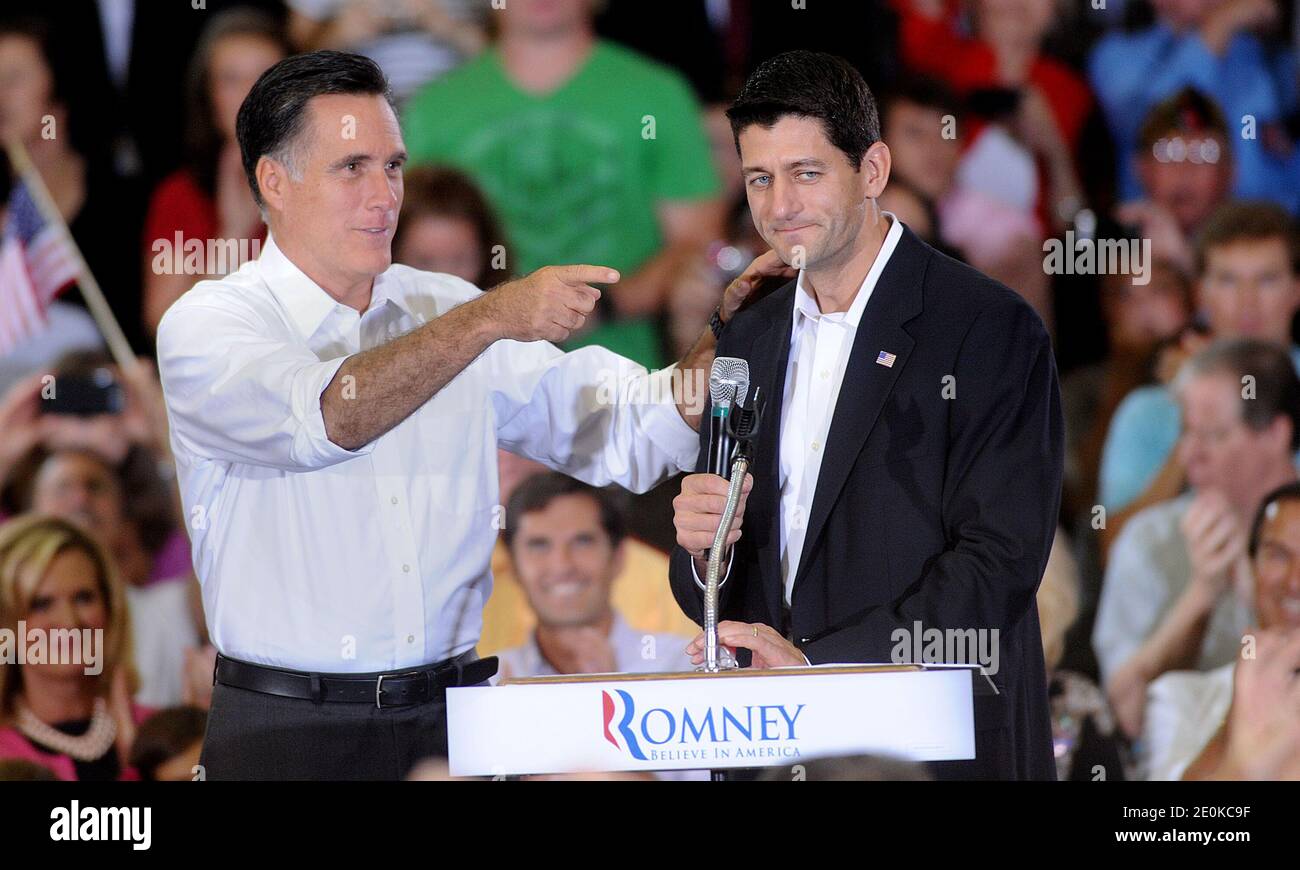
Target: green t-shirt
575, 175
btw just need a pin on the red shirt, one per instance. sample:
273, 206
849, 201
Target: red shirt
179, 204
931, 46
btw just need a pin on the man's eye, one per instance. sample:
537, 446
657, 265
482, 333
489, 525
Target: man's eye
810, 174
759, 180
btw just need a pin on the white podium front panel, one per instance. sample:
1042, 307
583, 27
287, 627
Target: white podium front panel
691, 721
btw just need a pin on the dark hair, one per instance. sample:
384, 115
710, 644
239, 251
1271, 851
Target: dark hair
810, 84
1286, 492
271, 116
445, 192
851, 768
1188, 112
1277, 387
538, 491
202, 138
1247, 221
165, 735
62, 69
920, 91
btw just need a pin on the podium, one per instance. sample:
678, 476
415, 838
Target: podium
733, 719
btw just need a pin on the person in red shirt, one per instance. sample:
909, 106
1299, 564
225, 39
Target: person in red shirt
209, 198
1004, 76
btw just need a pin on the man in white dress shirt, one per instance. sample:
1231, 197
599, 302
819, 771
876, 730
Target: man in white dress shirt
335, 421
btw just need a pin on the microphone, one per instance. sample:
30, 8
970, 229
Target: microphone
728, 387
734, 449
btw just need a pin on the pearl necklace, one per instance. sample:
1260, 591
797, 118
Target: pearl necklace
97, 740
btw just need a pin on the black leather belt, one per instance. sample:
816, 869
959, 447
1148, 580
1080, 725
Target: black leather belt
387, 689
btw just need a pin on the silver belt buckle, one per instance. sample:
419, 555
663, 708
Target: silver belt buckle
379, 685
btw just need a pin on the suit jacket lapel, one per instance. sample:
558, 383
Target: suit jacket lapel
895, 300
769, 358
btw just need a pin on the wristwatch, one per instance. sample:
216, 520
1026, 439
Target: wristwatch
715, 323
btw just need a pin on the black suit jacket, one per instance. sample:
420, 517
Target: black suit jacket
937, 498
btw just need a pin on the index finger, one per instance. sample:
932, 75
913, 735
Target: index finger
24, 393
769, 263
580, 274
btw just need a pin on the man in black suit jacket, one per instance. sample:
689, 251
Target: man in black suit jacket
926, 489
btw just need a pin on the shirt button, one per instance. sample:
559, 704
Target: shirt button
826, 373
393, 499
816, 445
406, 569
410, 638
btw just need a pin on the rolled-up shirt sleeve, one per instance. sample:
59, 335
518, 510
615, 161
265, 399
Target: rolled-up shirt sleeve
236, 394
591, 413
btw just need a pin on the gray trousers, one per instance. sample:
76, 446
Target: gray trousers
254, 736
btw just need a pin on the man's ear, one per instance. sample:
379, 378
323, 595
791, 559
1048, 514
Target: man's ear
876, 164
619, 559
272, 181
1280, 430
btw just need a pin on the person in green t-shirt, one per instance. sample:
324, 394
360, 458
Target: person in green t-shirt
589, 152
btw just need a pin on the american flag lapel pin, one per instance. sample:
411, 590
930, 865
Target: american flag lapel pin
886, 359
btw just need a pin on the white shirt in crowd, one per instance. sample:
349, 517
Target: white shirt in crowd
162, 630
1185, 709
1148, 569
820, 345
317, 558
635, 652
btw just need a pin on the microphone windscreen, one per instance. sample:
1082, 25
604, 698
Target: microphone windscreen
729, 380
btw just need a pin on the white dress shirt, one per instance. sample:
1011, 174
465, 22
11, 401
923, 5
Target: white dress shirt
820, 345
313, 557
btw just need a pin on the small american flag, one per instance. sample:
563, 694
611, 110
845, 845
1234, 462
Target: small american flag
886, 359
37, 262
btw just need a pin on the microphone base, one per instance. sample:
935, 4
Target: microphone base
726, 662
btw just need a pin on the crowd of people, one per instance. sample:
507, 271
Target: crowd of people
592, 131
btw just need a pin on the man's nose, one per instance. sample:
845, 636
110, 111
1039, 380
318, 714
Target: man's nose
785, 200
1293, 578
562, 562
382, 192
79, 498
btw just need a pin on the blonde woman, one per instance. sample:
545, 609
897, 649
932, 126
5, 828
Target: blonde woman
73, 717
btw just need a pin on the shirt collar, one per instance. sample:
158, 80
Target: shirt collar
621, 637
806, 305
307, 304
